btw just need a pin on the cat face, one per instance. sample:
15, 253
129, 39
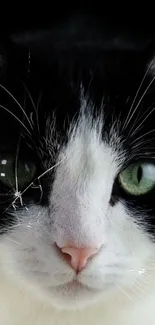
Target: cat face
79, 173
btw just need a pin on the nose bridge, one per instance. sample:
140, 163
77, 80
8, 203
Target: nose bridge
83, 227
79, 207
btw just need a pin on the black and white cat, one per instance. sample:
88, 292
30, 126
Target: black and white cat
77, 180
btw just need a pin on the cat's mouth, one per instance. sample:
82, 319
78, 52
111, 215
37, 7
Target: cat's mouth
72, 294
76, 286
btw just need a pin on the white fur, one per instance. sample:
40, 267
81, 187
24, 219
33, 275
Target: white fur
118, 283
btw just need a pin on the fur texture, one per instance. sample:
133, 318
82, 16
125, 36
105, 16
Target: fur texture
72, 128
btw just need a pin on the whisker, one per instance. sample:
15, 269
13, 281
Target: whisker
142, 143
144, 93
137, 293
112, 221
137, 93
32, 101
16, 165
49, 169
140, 117
142, 136
16, 101
35, 109
125, 293
14, 241
6, 109
39, 100
143, 289
16, 172
142, 122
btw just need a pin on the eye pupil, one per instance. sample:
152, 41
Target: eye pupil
139, 174
138, 179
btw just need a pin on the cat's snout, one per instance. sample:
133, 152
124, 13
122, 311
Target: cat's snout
77, 257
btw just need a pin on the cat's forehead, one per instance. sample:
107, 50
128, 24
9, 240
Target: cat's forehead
53, 99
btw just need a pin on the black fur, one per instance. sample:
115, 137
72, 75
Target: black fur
109, 59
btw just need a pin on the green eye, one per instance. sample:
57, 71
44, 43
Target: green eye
25, 172
138, 178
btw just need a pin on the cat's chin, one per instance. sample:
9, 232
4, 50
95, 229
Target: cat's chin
73, 295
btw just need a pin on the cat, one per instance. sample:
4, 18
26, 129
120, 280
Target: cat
77, 179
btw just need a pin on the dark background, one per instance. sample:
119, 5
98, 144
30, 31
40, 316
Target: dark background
67, 28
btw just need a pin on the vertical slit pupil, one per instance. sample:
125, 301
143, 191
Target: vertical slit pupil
139, 174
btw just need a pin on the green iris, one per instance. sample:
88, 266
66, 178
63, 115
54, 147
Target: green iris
138, 178
24, 172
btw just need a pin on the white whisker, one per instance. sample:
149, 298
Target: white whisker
125, 293
112, 221
138, 127
140, 117
137, 293
14, 241
142, 136
144, 93
137, 93
49, 169
7, 110
35, 109
16, 101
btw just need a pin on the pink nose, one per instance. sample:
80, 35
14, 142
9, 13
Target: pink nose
76, 257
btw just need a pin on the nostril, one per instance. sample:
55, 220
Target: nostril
66, 257
77, 257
